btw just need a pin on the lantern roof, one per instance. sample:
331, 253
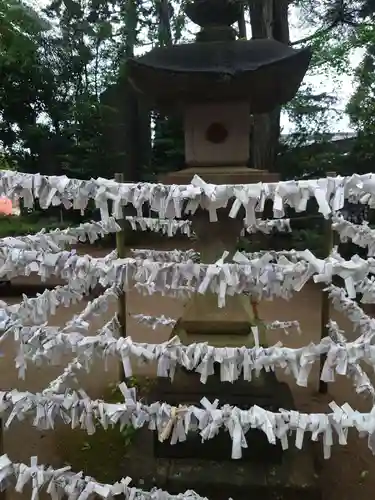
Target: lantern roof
263, 72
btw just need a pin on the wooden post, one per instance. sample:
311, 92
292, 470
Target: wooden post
325, 309
121, 252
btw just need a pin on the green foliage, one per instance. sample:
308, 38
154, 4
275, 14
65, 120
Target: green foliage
310, 111
308, 162
13, 225
54, 118
337, 28
299, 239
168, 147
361, 158
101, 455
361, 107
58, 65
310, 151
308, 238
362, 104
24, 78
7, 164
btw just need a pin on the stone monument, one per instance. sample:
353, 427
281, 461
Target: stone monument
217, 83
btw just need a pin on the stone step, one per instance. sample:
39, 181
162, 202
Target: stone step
265, 391
238, 480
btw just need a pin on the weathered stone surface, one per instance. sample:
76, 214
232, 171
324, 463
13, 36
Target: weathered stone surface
263, 72
249, 65
220, 175
264, 391
290, 480
202, 319
294, 478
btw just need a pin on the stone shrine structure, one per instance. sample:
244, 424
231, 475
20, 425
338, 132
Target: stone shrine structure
217, 83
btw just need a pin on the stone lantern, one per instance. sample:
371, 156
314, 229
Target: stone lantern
217, 84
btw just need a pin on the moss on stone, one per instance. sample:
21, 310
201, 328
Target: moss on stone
101, 455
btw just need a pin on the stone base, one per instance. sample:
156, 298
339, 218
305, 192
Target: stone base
220, 175
294, 478
265, 391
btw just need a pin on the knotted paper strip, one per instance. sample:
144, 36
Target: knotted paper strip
58, 239
284, 325
261, 277
269, 226
60, 483
267, 276
166, 226
40, 344
352, 310
264, 275
171, 201
360, 234
347, 364
154, 321
173, 423
166, 255
158, 321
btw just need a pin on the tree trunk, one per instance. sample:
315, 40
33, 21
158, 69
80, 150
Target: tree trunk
136, 115
163, 9
242, 24
261, 18
165, 126
281, 34
281, 21
269, 19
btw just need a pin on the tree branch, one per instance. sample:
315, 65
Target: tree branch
334, 24
321, 31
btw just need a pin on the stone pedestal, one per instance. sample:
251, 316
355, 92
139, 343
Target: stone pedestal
207, 467
292, 479
218, 83
204, 321
265, 391
226, 174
